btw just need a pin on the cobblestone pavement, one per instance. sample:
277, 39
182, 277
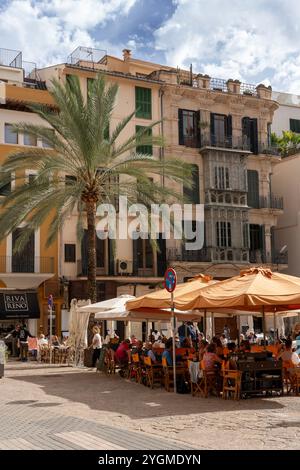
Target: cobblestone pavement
65, 408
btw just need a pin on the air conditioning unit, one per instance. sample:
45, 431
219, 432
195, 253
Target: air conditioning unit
125, 266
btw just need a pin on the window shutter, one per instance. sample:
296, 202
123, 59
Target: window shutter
246, 127
212, 127
253, 189
295, 125
255, 136
100, 252
197, 127
229, 126
161, 256
262, 243
196, 188
143, 102
111, 258
180, 127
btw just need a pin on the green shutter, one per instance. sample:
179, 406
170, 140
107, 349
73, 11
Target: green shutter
193, 194
144, 149
143, 103
253, 189
295, 125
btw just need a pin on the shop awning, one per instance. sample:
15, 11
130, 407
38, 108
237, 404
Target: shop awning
18, 304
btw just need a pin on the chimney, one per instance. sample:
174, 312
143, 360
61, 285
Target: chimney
126, 54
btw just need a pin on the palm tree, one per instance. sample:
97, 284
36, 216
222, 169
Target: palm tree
95, 160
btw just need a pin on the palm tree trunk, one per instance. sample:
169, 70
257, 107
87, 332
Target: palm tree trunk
91, 227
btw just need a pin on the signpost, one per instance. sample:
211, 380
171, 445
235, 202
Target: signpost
170, 285
50, 308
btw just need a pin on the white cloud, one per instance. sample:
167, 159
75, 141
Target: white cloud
253, 40
46, 31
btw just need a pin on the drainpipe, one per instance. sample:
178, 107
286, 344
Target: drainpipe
162, 150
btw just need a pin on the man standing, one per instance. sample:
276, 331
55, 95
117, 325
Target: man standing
23, 336
226, 332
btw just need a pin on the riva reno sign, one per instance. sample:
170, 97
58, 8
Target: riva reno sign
16, 302
19, 304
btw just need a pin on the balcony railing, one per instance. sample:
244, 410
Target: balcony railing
23, 264
191, 141
82, 269
280, 258
271, 202
257, 256
268, 149
230, 142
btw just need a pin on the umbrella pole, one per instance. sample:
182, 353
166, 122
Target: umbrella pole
274, 320
204, 324
264, 326
174, 342
212, 325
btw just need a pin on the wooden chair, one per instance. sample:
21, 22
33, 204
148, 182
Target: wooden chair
109, 362
168, 375
209, 381
231, 384
153, 372
196, 386
287, 368
295, 380
134, 368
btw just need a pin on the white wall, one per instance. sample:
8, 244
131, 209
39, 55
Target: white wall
285, 181
289, 108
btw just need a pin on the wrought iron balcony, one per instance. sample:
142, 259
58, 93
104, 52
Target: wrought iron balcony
280, 258
229, 142
26, 264
271, 202
191, 141
268, 149
257, 256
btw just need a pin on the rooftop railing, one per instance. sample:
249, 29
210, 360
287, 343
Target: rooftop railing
11, 58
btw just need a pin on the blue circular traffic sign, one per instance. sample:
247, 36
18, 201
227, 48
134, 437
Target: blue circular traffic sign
170, 279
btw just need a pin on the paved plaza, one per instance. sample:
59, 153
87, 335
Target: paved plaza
65, 408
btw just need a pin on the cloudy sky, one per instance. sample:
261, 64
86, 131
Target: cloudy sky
253, 40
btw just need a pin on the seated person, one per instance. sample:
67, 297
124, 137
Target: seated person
288, 355
150, 353
223, 340
251, 337
133, 340
137, 348
210, 358
202, 348
186, 343
42, 341
245, 346
219, 347
122, 352
168, 352
231, 362
55, 342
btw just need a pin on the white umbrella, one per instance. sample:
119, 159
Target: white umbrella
144, 315
78, 324
118, 303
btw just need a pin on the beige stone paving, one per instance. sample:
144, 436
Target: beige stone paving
257, 423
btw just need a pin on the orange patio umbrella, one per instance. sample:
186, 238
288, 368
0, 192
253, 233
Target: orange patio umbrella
255, 289
161, 299
252, 290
